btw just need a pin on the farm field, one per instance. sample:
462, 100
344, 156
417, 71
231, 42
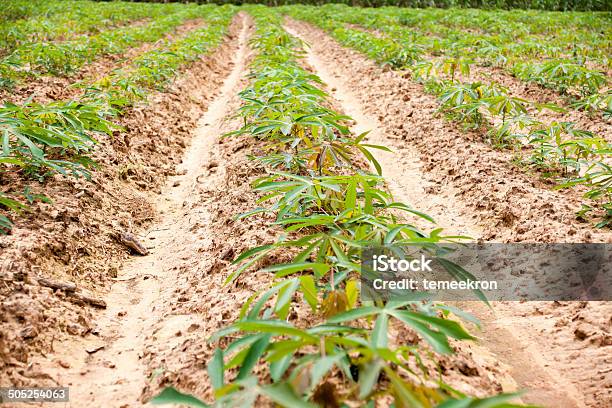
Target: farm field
187, 191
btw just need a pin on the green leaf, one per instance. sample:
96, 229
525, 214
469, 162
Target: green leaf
247, 214
354, 314
371, 159
5, 225
261, 302
379, 147
404, 207
339, 252
36, 151
423, 325
172, 396
253, 355
310, 291
368, 377
459, 273
283, 394
350, 200
285, 295
379, 337
251, 252
244, 267
279, 367
276, 327
320, 269
215, 369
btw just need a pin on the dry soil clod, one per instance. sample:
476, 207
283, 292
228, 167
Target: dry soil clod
130, 241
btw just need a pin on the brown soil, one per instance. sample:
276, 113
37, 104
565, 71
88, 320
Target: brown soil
74, 240
180, 204
165, 305
452, 175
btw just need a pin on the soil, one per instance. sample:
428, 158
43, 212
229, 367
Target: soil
175, 200
75, 239
451, 175
164, 306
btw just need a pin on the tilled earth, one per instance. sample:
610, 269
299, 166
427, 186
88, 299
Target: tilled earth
175, 184
474, 190
75, 238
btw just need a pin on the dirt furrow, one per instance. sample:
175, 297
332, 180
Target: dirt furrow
74, 239
106, 368
508, 202
371, 98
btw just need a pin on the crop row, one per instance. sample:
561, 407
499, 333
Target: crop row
588, 32
22, 9
330, 208
567, 66
81, 17
65, 57
42, 139
574, 156
155, 68
434, 34
508, 21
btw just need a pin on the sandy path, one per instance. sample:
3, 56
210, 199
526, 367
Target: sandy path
106, 369
529, 360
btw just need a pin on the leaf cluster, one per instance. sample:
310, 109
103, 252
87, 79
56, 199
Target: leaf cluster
329, 209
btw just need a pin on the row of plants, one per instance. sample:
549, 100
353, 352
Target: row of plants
62, 58
582, 5
156, 68
504, 21
574, 156
39, 140
22, 9
567, 68
307, 340
72, 19
564, 30
587, 34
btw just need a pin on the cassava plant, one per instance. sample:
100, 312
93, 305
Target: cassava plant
38, 140
329, 207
